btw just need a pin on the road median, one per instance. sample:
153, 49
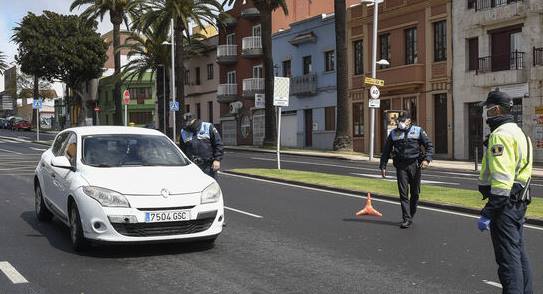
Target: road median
456, 199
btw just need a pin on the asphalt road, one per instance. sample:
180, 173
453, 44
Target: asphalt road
279, 239
432, 175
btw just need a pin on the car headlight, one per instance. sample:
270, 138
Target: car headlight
106, 197
211, 194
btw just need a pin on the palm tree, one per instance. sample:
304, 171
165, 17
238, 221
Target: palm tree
118, 11
3, 63
183, 12
343, 140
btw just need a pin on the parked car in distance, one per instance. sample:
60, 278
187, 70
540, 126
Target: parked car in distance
22, 125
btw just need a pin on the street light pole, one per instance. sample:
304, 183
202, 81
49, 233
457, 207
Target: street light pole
174, 135
373, 75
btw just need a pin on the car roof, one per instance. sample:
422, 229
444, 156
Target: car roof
113, 130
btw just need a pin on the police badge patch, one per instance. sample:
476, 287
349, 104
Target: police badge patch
497, 150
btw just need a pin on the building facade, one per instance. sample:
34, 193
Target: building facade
414, 36
201, 81
306, 54
498, 44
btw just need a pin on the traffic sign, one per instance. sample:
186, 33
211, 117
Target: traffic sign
259, 101
281, 91
375, 82
37, 103
126, 97
174, 106
374, 92
374, 103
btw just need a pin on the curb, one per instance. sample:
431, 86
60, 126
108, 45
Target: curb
476, 212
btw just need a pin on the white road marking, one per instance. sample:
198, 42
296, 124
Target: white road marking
498, 285
12, 273
38, 149
364, 197
9, 151
392, 179
18, 167
243, 212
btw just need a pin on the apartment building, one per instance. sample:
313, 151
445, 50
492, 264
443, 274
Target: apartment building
498, 44
414, 36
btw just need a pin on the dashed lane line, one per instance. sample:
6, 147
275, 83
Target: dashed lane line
9, 151
243, 212
12, 274
491, 283
38, 149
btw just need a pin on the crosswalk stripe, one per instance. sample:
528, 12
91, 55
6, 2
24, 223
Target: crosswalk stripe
13, 275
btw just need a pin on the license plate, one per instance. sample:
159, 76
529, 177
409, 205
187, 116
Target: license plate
167, 216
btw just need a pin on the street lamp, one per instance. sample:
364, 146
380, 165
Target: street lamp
374, 67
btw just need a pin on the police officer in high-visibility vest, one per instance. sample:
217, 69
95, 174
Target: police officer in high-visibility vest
505, 180
405, 143
202, 143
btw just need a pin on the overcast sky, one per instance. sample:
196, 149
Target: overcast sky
12, 12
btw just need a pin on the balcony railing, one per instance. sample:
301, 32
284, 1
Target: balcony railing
305, 85
227, 50
489, 4
227, 90
251, 43
253, 86
512, 61
538, 56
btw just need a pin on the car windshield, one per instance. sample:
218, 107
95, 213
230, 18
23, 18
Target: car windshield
130, 150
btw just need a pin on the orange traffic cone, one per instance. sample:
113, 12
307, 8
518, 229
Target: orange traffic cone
368, 209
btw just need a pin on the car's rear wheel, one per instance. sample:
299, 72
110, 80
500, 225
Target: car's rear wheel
42, 212
79, 242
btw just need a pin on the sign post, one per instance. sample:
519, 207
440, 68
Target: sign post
37, 104
126, 101
281, 92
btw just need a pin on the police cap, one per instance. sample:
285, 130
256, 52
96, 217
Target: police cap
497, 98
404, 116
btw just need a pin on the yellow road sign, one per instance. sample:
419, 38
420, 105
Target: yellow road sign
375, 82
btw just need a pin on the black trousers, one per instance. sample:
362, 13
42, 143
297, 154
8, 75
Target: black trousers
408, 176
506, 231
208, 169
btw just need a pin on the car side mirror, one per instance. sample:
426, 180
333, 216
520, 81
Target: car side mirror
61, 162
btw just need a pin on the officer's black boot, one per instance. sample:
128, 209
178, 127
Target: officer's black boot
406, 223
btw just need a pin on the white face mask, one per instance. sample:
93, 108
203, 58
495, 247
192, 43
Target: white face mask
402, 125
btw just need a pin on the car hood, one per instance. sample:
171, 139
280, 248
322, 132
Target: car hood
146, 180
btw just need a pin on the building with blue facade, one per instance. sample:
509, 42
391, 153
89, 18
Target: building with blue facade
306, 54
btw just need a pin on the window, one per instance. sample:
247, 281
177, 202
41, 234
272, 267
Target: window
473, 54
197, 70
187, 108
358, 58
257, 31
287, 69
198, 111
411, 46
330, 118
187, 77
358, 119
231, 77
141, 118
307, 65
210, 111
329, 61
258, 72
472, 4
384, 42
410, 106
231, 39
210, 71
140, 94
58, 143
440, 41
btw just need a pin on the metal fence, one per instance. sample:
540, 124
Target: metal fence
489, 4
512, 61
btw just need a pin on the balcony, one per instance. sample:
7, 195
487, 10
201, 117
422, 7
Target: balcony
305, 85
227, 54
538, 56
489, 4
253, 86
250, 12
490, 12
412, 75
501, 69
227, 93
251, 47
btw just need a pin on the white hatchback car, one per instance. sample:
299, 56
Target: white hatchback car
124, 184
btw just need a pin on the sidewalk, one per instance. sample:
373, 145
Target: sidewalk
355, 156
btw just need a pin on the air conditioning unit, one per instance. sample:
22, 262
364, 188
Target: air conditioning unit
235, 107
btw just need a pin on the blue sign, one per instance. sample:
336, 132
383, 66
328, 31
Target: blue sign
174, 106
37, 103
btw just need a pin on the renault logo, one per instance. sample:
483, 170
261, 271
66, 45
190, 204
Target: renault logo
165, 193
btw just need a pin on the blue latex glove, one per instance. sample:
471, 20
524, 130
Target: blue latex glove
483, 223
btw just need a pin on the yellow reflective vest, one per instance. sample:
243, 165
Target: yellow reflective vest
505, 160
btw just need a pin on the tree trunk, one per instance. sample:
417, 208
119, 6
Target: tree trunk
162, 98
343, 140
270, 132
36, 95
118, 115
179, 74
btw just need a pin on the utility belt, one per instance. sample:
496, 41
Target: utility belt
200, 161
521, 194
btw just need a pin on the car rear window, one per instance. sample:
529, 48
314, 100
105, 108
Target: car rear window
130, 150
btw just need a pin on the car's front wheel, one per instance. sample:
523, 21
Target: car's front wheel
42, 212
79, 242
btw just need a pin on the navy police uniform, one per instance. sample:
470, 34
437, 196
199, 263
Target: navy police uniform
202, 143
405, 147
